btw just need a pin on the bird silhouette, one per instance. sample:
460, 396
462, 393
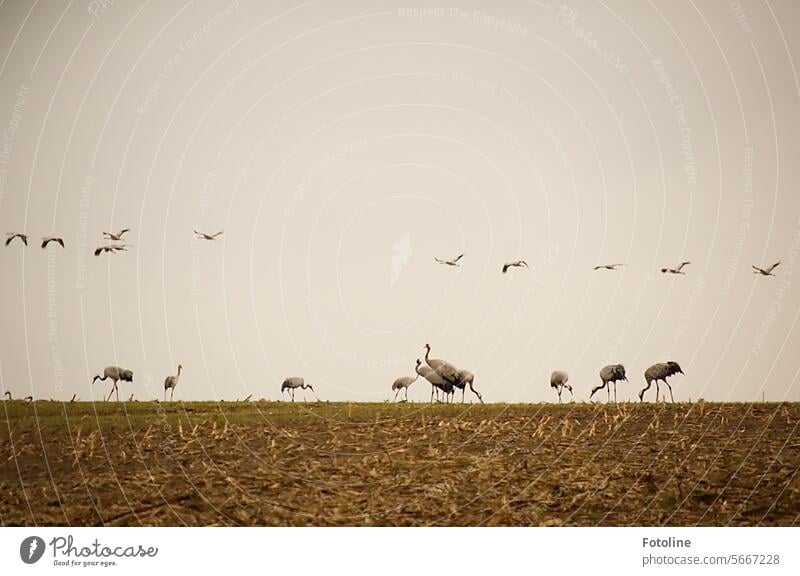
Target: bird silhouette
116, 237
12, 235
515, 264
767, 271
678, 270
46, 241
204, 236
111, 248
453, 262
608, 266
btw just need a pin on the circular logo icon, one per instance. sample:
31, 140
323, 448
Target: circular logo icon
31, 549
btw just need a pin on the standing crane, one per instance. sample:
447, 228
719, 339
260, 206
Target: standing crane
611, 373
559, 380
293, 383
660, 371
115, 373
170, 382
405, 382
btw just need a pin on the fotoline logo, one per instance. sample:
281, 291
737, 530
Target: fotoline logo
31, 549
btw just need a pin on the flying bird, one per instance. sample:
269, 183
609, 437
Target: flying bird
678, 270
516, 264
12, 235
111, 248
767, 271
453, 262
46, 241
116, 237
608, 266
204, 236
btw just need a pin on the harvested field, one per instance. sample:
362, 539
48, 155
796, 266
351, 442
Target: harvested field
274, 463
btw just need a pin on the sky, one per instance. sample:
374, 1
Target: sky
342, 146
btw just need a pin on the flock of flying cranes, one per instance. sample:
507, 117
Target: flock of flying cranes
109, 236
678, 270
443, 376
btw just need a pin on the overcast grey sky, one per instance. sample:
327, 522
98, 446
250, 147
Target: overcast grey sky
341, 146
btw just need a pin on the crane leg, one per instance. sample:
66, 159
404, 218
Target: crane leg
116, 388
641, 394
615, 392
671, 398
395, 395
171, 394
608, 392
656, 391
559, 395
406, 394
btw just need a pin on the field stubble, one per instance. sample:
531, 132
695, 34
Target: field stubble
274, 463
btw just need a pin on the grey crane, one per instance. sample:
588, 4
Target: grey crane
559, 380
608, 266
204, 236
12, 235
116, 374
116, 237
405, 382
610, 374
170, 382
461, 380
48, 239
111, 248
660, 371
445, 369
766, 271
678, 270
293, 383
437, 382
515, 264
453, 262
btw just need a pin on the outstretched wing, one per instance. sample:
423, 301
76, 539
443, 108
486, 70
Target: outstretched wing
9, 239
98, 251
217, 234
60, 241
505, 268
460, 256
121, 232
771, 268
522, 263
682, 265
